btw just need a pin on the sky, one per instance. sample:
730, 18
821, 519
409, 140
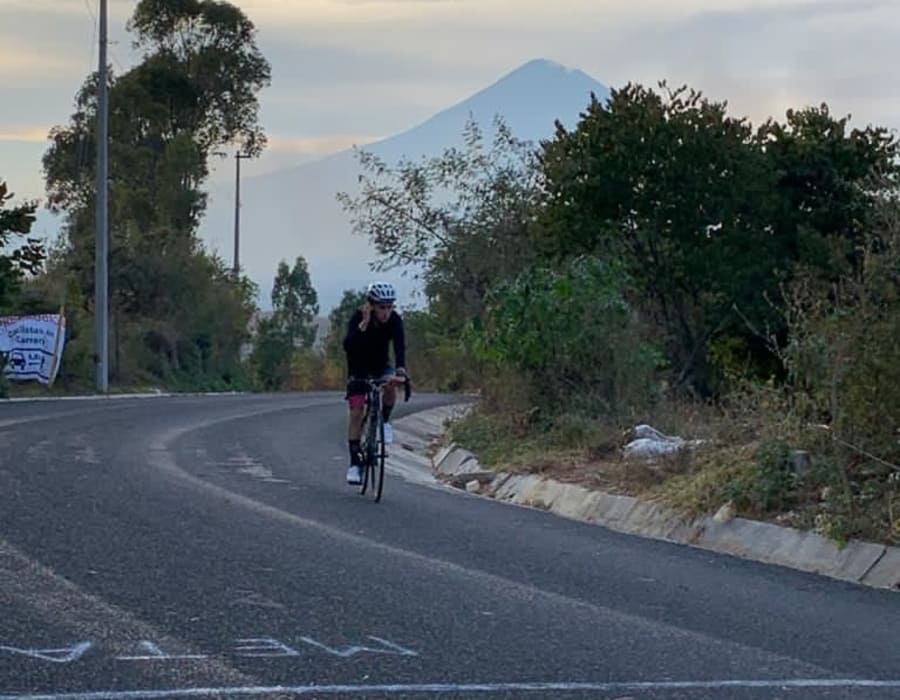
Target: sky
354, 71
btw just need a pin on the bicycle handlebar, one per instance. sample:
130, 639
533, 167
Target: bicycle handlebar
381, 381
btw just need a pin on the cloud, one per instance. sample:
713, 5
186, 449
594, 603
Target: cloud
24, 134
67, 7
21, 61
755, 17
766, 58
311, 13
56, 7
44, 42
312, 62
287, 150
318, 146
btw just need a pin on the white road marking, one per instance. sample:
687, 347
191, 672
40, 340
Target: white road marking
58, 656
157, 654
386, 647
441, 688
263, 646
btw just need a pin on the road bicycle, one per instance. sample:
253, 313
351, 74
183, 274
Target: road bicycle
374, 451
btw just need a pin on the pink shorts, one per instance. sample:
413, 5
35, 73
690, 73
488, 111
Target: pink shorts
356, 389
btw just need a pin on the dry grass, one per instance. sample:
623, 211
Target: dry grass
741, 460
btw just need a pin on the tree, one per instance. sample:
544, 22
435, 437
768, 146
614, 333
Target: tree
676, 190
569, 330
193, 92
291, 325
295, 302
272, 353
17, 258
338, 318
208, 48
827, 204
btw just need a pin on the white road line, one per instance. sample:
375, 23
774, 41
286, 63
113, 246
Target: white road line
119, 397
440, 688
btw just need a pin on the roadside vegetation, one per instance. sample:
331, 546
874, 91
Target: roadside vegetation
665, 263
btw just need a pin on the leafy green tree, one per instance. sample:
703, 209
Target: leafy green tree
676, 190
194, 92
17, 258
272, 353
338, 318
571, 332
828, 205
290, 326
206, 50
709, 216
295, 302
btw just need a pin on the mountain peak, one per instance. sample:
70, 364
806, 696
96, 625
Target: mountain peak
541, 66
531, 80
529, 98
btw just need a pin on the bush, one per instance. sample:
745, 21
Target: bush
768, 484
843, 362
572, 333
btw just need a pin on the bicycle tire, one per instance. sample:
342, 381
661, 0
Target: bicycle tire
365, 472
370, 445
378, 464
366, 453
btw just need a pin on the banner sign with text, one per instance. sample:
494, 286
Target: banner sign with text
33, 346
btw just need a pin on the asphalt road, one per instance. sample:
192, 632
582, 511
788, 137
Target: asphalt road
208, 547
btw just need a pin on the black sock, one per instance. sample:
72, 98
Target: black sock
355, 452
386, 412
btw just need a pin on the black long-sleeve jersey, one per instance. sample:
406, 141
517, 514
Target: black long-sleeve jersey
368, 351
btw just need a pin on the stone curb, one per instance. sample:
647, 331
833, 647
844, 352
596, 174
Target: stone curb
886, 572
415, 434
866, 563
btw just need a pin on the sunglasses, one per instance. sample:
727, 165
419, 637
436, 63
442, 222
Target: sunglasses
384, 307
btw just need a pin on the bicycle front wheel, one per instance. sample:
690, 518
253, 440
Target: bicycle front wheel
371, 481
377, 468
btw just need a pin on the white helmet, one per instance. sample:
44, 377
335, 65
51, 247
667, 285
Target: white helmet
381, 293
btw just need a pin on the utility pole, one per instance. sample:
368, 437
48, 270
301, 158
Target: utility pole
237, 212
101, 239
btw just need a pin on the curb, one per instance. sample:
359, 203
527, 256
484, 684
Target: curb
415, 434
866, 563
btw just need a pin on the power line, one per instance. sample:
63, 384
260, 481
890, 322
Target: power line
93, 17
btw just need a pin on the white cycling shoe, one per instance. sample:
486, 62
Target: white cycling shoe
388, 434
354, 475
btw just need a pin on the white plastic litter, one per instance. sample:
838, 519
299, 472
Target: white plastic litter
649, 442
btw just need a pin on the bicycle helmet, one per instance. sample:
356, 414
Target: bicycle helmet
382, 293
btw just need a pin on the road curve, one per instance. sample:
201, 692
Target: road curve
206, 546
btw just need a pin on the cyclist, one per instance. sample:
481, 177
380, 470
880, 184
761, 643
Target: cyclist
370, 333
